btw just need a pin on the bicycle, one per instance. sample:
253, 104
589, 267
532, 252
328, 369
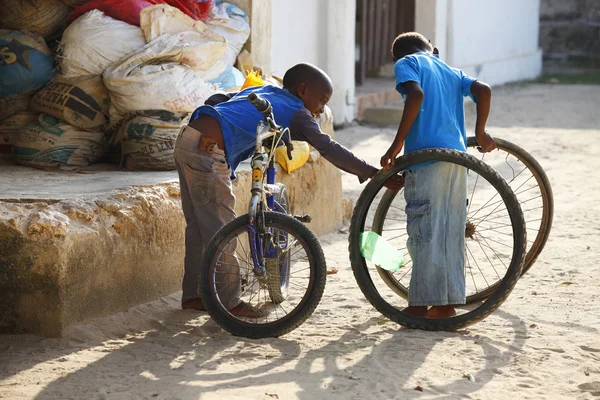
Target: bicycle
272, 263
374, 211
533, 190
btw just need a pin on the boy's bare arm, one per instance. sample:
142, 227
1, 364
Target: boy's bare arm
483, 97
412, 107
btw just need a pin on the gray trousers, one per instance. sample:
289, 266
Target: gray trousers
208, 204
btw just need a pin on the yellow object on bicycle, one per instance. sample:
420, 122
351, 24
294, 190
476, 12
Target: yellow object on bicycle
253, 79
300, 156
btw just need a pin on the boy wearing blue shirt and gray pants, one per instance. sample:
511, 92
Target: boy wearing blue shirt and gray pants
436, 192
220, 135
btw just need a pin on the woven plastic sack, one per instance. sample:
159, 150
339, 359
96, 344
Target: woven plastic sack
148, 140
94, 41
82, 102
50, 143
153, 78
233, 24
26, 63
42, 17
300, 156
203, 48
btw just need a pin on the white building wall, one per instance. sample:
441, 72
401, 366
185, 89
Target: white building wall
322, 33
493, 40
295, 33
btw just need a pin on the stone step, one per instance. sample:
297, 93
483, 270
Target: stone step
386, 115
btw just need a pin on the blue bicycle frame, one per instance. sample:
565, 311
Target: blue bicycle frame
260, 197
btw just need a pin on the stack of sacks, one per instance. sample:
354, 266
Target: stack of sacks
122, 65
164, 75
76, 98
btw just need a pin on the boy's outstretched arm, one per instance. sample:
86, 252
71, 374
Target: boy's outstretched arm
483, 97
412, 107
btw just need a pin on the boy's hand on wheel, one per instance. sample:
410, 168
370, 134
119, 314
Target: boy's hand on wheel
395, 182
388, 158
485, 141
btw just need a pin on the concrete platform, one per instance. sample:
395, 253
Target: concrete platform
76, 246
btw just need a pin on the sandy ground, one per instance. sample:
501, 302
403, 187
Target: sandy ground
542, 345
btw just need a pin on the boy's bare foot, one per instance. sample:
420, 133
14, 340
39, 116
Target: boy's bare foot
241, 310
193, 304
246, 310
416, 311
441, 312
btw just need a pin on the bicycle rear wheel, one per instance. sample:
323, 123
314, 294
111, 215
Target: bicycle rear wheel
507, 252
306, 278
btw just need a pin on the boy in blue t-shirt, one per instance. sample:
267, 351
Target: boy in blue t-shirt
220, 135
435, 193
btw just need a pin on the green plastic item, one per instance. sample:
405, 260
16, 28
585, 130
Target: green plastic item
379, 251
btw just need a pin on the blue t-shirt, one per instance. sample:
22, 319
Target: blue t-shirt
441, 121
239, 119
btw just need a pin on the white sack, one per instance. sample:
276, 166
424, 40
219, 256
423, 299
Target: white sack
233, 24
94, 41
202, 48
153, 78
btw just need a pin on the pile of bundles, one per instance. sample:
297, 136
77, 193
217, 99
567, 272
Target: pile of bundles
124, 76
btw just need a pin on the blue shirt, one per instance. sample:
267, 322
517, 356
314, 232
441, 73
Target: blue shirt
239, 118
441, 121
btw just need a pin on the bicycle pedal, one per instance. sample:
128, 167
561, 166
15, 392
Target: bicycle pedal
303, 218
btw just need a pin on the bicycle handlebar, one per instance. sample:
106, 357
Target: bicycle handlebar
262, 105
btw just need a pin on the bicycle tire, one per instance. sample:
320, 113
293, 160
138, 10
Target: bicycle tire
505, 286
532, 253
278, 288
310, 300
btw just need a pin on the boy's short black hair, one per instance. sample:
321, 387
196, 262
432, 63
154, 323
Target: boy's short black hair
304, 72
409, 43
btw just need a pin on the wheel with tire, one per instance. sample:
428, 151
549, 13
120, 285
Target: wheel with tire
530, 184
368, 216
279, 267
228, 267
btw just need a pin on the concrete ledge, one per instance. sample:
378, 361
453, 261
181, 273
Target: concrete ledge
79, 254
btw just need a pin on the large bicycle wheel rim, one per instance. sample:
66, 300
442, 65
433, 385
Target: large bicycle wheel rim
294, 316
360, 267
542, 227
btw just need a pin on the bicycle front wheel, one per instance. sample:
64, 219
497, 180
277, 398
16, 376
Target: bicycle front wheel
228, 268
